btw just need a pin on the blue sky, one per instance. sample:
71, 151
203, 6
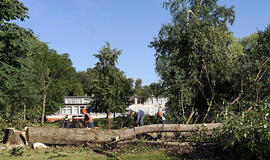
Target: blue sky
81, 28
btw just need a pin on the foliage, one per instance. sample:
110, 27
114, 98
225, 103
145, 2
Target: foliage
247, 129
130, 121
101, 123
193, 57
28, 68
111, 88
247, 133
138, 89
16, 151
154, 89
123, 121
12, 10
18, 86
78, 90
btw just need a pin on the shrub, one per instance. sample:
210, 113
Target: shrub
247, 133
16, 151
129, 121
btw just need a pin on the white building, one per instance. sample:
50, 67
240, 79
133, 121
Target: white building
151, 106
73, 106
157, 101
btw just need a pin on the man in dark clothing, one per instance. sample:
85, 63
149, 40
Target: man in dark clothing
88, 120
139, 118
67, 122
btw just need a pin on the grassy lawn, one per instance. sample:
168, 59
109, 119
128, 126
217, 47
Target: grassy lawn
76, 153
150, 155
71, 153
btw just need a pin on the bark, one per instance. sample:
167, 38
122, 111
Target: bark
83, 135
182, 103
165, 143
24, 112
191, 115
110, 120
43, 106
13, 137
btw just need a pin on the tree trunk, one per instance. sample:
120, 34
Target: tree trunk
165, 143
13, 137
43, 107
24, 112
82, 135
109, 119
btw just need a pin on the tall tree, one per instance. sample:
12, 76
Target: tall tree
57, 77
192, 56
111, 87
18, 86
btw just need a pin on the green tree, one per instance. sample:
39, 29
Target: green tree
78, 90
157, 89
12, 10
111, 87
57, 77
18, 86
193, 57
138, 87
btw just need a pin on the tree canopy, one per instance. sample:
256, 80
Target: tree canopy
111, 88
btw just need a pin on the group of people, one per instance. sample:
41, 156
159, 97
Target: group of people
89, 121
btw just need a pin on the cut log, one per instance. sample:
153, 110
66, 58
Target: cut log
13, 137
82, 135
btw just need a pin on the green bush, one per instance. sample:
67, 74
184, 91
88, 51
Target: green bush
101, 123
16, 151
124, 121
247, 134
130, 121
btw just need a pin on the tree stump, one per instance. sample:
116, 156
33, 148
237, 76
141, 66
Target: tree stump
13, 137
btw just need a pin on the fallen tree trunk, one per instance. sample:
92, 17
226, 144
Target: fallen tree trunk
82, 135
166, 143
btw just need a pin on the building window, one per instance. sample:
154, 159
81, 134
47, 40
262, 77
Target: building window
76, 110
63, 111
73, 100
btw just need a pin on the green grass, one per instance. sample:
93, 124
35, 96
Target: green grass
149, 155
77, 153
59, 153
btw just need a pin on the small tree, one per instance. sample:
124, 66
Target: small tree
111, 87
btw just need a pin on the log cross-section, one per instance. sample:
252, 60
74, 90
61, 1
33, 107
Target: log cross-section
13, 137
49, 135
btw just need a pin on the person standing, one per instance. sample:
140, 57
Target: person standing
88, 120
66, 122
163, 119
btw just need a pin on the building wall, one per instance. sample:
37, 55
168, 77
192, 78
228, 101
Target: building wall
73, 106
159, 101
